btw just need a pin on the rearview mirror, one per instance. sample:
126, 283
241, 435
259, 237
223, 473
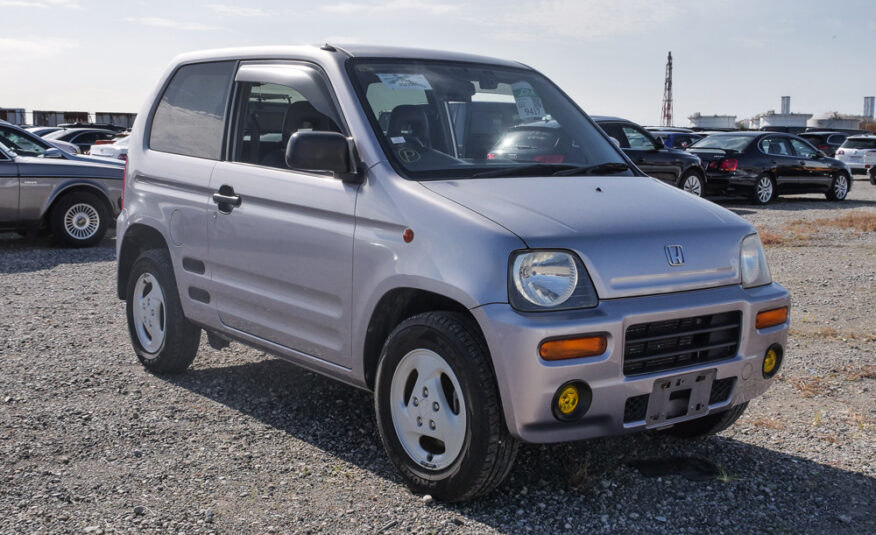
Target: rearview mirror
323, 151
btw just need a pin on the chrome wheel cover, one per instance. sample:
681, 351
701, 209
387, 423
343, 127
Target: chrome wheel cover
81, 221
150, 318
764, 189
692, 185
840, 187
428, 409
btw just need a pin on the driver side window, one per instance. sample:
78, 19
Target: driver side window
20, 144
803, 150
638, 140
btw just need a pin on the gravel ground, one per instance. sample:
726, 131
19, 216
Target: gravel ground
244, 443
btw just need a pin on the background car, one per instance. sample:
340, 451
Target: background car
84, 138
540, 141
76, 199
651, 155
23, 141
826, 142
43, 130
766, 164
118, 149
676, 140
858, 152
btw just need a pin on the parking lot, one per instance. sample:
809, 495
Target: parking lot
92, 443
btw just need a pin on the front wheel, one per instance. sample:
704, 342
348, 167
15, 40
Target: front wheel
163, 339
692, 183
764, 190
839, 189
79, 219
438, 408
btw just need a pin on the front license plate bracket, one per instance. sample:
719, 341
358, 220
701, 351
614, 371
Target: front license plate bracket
680, 397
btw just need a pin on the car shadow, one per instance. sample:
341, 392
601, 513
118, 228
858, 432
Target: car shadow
19, 254
756, 486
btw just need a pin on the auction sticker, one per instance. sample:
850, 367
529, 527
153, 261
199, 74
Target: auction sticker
529, 104
405, 81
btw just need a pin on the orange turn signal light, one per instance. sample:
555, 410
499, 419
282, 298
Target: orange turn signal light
771, 318
573, 348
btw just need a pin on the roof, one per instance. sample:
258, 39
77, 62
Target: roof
599, 118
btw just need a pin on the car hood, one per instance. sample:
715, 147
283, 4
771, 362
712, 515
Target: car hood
80, 167
619, 226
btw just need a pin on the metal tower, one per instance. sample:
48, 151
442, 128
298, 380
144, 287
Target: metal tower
667, 94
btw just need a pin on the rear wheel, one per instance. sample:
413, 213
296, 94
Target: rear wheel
438, 408
873, 175
764, 190
839, 189
79, 219
708, 425
163, 339
692, 183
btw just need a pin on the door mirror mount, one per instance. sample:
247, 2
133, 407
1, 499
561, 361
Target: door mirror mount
324, 151
53, 152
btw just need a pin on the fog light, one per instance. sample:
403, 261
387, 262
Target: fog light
771, 318
571, 401
772, 361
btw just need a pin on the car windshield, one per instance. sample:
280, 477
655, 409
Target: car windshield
440, 119
21, 144
737, 143
860, 143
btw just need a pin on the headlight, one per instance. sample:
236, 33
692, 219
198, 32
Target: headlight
752, 261
554, 280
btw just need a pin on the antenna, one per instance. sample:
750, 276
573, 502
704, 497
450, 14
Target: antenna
667, 94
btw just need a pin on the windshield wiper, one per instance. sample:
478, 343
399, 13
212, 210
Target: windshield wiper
523, 170
598, 169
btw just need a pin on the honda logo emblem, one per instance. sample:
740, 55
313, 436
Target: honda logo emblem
674, 255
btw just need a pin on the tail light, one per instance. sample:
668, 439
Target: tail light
104, 142
491, 156
550, 158
840, 151
123, 157
729, 164
124, 183
823, 146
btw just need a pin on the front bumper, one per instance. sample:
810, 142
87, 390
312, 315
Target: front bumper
527, 384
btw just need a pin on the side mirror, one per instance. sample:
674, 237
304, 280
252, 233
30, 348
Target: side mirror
614, 140
658, 143
323, 151
53, 152
819, 154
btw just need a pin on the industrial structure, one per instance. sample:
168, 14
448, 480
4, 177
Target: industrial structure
699, 121
53, 118
666, 118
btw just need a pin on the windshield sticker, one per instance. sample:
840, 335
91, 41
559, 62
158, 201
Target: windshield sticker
397, 140
408, 155
405, 81
529, 104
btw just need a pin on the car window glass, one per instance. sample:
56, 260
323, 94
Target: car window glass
637, 139
270, 114
776, 146
615, 131
860, 143
23, 146
190, 117
85, 137
803, 150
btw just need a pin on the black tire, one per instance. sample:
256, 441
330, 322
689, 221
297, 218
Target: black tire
79, 219
837, 192
708, 425
873, 175
488, 449
699, 189
181, 339
756, 196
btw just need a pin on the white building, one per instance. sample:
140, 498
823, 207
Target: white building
834, 120
712, 122
771, 119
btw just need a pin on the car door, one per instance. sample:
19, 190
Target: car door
642, 148
816, 172
281, 250
784, 161
9, 188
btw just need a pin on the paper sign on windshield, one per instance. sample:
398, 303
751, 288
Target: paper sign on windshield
529, 104
405, 81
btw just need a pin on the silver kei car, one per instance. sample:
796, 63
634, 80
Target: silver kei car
336, 207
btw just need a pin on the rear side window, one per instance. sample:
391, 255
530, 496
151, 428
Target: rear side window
190, 118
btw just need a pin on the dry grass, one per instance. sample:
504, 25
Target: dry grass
800, 231
809, 386
830, 332
768, 423
856, 373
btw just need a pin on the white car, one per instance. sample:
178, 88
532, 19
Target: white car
858, 153
117, 150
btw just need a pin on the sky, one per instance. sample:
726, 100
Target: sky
735, 57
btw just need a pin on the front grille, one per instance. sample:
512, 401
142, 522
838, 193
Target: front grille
636, 408
677, 343
721, 390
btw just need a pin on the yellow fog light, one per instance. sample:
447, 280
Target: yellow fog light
772, 361
571, 401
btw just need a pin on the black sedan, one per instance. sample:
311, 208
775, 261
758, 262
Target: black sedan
764, 165
653, 157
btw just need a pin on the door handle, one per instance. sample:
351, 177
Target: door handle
226, 199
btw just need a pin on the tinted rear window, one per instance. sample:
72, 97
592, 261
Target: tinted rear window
190, 118
529, 139
737, 143
860, 143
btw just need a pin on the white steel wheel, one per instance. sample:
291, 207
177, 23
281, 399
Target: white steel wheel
150, 314
693, 185
81, 221
764, 189
428, 409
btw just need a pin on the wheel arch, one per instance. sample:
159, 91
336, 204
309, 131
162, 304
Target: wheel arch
138, 237
75, 187
394, 307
